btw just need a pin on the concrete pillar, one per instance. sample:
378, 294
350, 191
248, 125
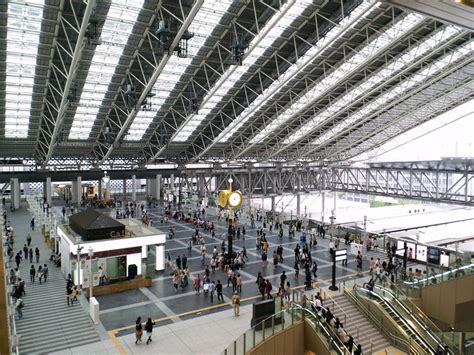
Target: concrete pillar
76, 190
158, 187
323, 198
15, 192
47, 190
134, 188
171, 184
150, 187
298, 205
99, 189
124, 189
334, 205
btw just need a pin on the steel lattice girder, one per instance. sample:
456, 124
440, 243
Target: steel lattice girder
392, 112
124, 118
57, 102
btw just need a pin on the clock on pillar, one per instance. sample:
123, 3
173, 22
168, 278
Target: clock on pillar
230, 199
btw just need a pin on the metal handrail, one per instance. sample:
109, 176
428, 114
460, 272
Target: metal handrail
329, 333
417, 339
334, 303
413, 346
13, 337
449, 273
424, 323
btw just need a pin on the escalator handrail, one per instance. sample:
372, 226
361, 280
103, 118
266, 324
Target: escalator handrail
417, 336
378, 322
412, 315
417, 282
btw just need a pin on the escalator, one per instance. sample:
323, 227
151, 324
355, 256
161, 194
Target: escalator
411, 333
415, 317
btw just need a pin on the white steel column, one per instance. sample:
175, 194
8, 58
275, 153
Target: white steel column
134, 188
76, 190
323, 200
298, 205
158, 187
47, 190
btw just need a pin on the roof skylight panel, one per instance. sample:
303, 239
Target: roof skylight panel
359, 13
368, 52
368, 84
204, 23
116, 30
23, 31
272, 30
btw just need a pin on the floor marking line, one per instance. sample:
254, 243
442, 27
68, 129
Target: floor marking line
222, 305
118, 345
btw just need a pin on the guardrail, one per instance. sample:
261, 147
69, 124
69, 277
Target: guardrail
413, 287
13, 337
296, 313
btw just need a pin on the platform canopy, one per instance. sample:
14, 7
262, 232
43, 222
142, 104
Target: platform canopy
120, 84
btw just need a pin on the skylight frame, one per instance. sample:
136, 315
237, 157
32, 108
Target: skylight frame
202, 28
371, 50
269, 33
116, 31
360, 12
24, 23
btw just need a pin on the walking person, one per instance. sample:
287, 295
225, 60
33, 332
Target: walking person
138, 330
197, 284
40, 274
212, 289
45, 272
149, 329
28, 239
19, 307
220, 297
25, 251
17, 260
32, 273
37, 255
359, 263
31, 255
236, 303
239, 283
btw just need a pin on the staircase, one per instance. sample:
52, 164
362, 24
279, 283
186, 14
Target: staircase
370, 337
48, 324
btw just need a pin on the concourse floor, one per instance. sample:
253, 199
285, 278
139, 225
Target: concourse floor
162, 303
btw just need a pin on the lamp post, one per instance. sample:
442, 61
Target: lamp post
229, 230
106, 180
79, 248
91, 283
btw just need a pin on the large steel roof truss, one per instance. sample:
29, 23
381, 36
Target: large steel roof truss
263, 38
53, 116
222, 135
365, 53
126, 121
412, 58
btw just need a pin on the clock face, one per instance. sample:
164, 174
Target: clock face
235, 199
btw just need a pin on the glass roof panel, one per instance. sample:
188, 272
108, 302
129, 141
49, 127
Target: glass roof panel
22, 38
272, 30
354, 63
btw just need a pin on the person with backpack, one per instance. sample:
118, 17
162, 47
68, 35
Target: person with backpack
236, 303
